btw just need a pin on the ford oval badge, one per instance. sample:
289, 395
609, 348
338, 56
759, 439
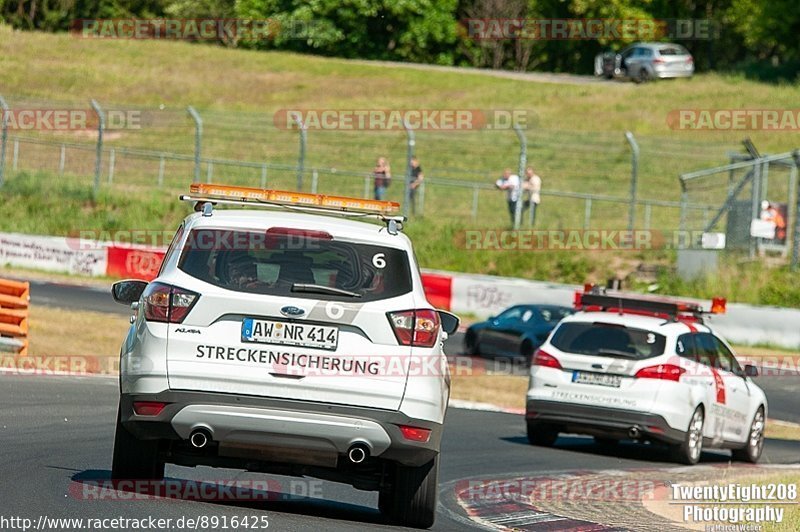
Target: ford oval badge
292, 311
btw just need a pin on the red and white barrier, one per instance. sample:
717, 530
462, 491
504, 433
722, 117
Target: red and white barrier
134, 262
478, 295
54, 253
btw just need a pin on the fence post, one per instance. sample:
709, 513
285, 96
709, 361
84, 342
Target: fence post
98, 161
62, 160
796, 235
366, 186
314, 179
523, 161
410, 143
421, 199
15, 159
587, 213
3, 139
198, 138
684, 207
475, 192
209, 171
755, 203
161, 162
647, 214
634, 178
112, 161
264, 175
301, 157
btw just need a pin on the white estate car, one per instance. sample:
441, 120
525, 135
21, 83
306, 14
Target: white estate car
285, 342
644, 369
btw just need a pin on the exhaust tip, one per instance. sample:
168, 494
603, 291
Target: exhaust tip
357, 453
634, 433
199, 438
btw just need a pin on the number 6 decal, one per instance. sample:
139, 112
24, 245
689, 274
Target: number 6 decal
379, 260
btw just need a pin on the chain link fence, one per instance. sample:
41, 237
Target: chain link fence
586, 175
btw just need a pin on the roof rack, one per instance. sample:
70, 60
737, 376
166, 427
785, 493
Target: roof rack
594, 298
206, 195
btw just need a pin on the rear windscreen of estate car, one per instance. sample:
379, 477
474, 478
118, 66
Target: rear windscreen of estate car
607, 339
295, 263
673, 50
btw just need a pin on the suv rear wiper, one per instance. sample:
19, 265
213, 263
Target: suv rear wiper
321, 289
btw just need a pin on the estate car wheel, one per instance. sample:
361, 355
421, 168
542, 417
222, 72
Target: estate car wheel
471, 344
411, 498
135, 459
526, 350
542, 434
689, 451
755, 440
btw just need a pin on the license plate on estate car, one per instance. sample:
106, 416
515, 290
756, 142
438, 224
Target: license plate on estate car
285, 333
599, 379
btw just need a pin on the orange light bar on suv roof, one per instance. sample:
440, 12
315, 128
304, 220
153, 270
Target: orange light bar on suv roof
286, 197
594, 299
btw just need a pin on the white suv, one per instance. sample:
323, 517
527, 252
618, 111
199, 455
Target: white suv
644, 369
287, 343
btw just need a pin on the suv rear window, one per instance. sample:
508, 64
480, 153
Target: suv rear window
277, 263
673, 50
607, 339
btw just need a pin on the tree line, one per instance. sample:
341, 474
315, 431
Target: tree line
757, 37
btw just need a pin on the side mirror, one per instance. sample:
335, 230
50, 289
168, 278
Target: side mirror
128, 291
449, 321
750, 370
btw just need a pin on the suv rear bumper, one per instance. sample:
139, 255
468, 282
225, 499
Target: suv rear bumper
302, 432
601, 421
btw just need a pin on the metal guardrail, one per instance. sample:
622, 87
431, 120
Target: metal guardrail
11, 345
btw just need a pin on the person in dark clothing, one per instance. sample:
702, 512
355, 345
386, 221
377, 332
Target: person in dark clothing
415, 181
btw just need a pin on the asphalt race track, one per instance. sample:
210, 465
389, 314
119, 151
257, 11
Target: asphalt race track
57, 438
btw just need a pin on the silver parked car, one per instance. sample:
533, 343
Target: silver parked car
645, 61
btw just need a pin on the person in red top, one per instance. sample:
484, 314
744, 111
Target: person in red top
771, 212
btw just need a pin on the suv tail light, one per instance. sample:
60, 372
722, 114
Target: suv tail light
667, 372
417, 328
148, 408
167, 304
542, 358
415, 433
659, 60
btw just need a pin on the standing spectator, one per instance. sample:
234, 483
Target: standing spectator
510, 183
532, 184
382, 175
416, 178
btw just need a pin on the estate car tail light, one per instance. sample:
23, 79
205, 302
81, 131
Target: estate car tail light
417, 328
415, 433
659, 60
542, 358
667, 372
167, 304
148, 408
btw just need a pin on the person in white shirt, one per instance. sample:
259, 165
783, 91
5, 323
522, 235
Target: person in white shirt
511, 184
532, 184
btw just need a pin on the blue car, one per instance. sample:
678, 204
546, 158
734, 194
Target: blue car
516, 332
